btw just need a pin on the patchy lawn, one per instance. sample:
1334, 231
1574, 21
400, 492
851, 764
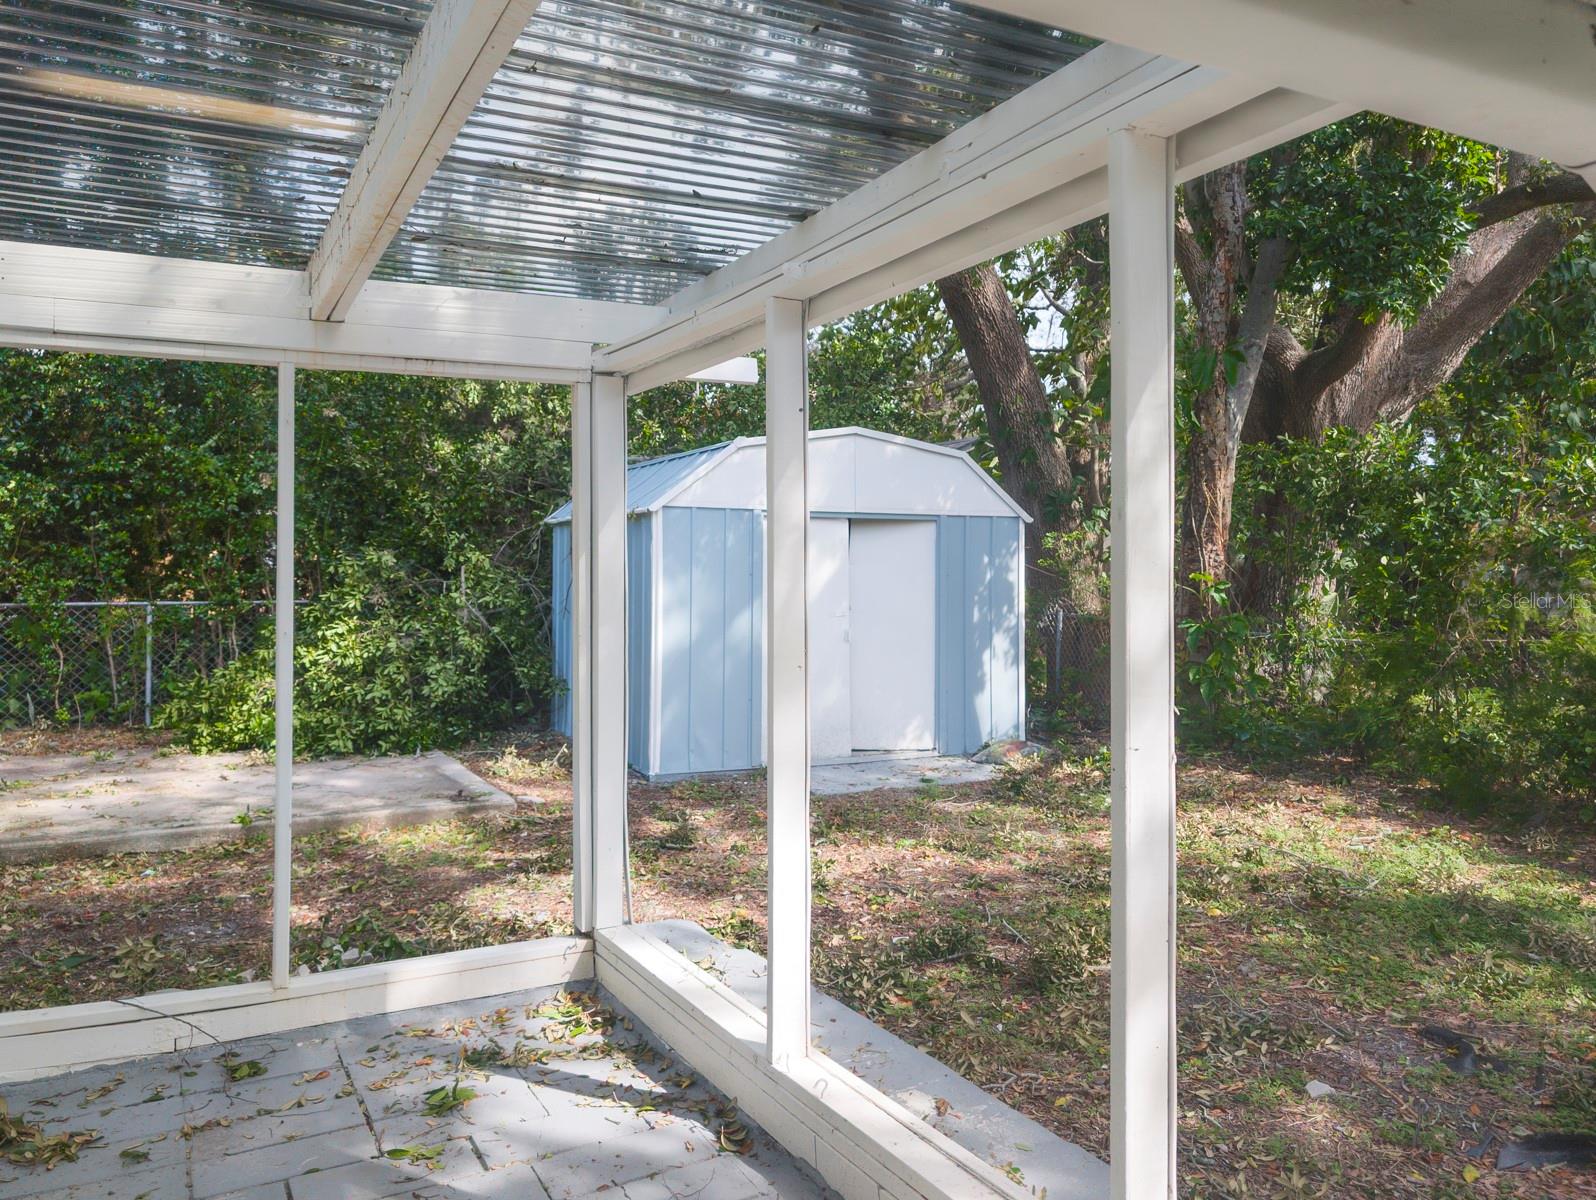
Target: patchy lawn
1333, 930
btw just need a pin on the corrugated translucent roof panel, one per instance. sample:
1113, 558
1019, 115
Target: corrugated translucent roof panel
213, 129
629, 147
650, 479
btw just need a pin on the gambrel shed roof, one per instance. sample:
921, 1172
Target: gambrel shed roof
854, 470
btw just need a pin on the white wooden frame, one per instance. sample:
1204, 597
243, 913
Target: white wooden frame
283, 690
864, 1144
599, 653
787, 680
582, 655
1510, 74
610, 902
1141, 227
49, 1041
57, 297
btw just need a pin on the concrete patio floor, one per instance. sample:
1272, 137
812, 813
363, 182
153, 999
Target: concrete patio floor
56, 805
565, 1096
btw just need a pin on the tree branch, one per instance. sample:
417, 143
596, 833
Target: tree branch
1189, 258
1433, 349
1325, 366
1564, 188
1257, 319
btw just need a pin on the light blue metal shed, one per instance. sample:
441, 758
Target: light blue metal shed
917, 603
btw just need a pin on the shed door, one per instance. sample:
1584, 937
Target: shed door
830, 728
892, 634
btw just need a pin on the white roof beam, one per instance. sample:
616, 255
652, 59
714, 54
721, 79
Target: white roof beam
461, 46
1031, 166
56, 297
1514, 73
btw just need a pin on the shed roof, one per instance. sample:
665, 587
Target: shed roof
653, 483
648, 480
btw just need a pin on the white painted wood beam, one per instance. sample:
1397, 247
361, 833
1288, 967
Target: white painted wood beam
461, 46
741, 369
283, 697
1514, 73
607, 424
48, 1041
865, 1144
57, 297
599, 653
1031, 166
582, 655
787, 679
1142, 666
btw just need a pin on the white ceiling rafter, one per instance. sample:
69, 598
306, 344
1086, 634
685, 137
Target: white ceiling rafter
461, 46
58, 297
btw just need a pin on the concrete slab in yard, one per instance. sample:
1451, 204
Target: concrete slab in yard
57, 805
869, 772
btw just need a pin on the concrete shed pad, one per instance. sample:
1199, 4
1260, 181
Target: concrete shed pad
57, 805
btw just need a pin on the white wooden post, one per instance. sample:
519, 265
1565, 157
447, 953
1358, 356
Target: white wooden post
787, 678
1142, 658
598, 683
582, 657
608, 425
283, 614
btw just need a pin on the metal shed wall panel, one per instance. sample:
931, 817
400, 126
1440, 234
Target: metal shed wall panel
711, 626
560, 635
980, 667
639, 644
639, 637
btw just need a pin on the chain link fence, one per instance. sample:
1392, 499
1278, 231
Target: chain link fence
99, 662
1074, 646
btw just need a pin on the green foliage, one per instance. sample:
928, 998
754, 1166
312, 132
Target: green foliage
895, 366
1444, 616
384, 663
1440, 603
419, 544
1376, 208
1215, 662
120, 475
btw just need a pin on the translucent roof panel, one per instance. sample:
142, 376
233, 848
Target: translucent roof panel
629, 147
214, 129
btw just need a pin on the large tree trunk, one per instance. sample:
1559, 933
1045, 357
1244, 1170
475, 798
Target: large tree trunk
1211, 248
1019, 415
1043, 473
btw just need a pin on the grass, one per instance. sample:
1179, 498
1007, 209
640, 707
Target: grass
1327, 918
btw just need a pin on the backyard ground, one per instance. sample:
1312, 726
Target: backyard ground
1438, 974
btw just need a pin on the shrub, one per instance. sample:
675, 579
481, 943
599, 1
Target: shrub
384, 662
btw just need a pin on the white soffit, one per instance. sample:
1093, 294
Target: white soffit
1520, 74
